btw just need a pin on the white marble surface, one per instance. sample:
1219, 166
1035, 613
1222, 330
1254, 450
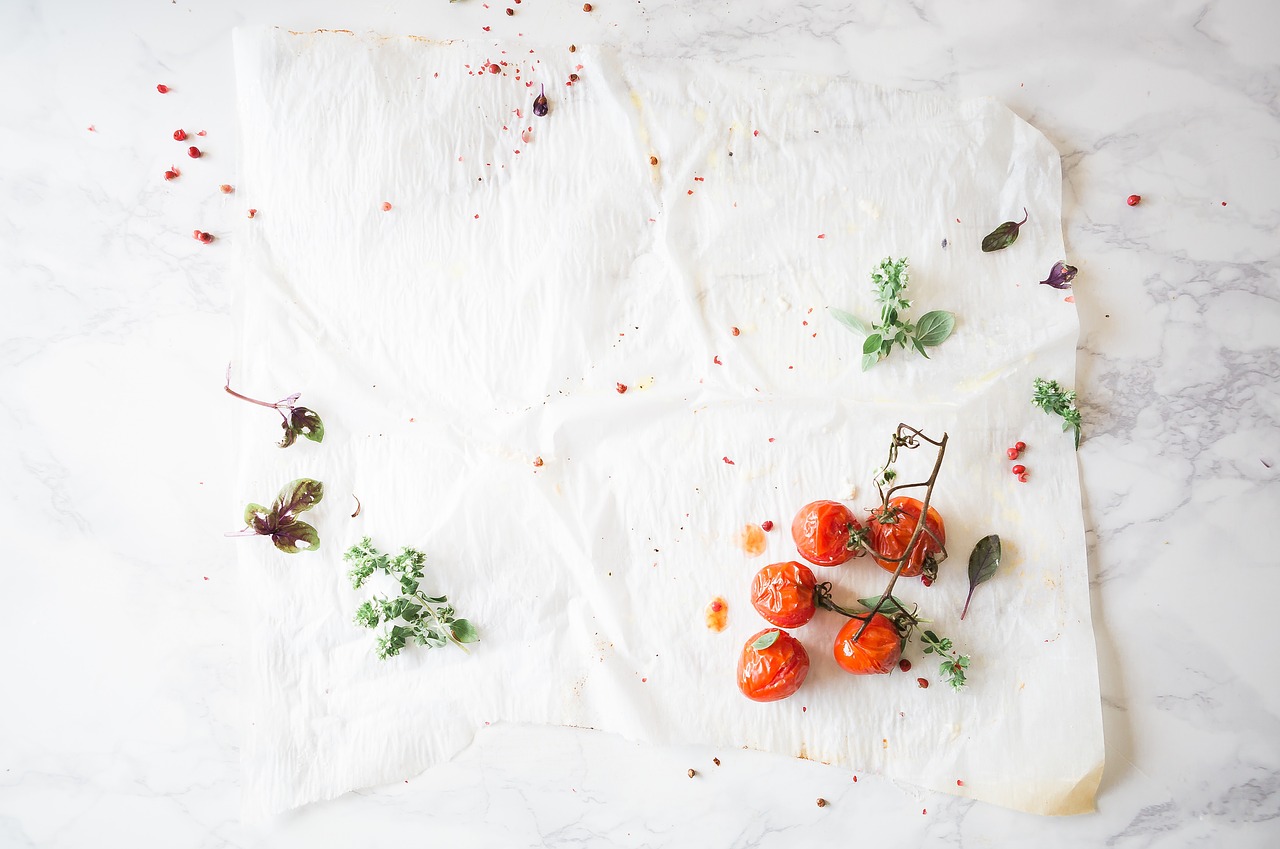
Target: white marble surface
119, 615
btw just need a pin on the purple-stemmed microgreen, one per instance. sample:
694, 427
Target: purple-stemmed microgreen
1004, 235
298, 421
280, 521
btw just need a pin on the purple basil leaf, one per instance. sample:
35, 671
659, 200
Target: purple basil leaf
1061, 276
1004, 235
306, 423
296, 497
259, 518
983, 563
294, 536
540, 105
290, 435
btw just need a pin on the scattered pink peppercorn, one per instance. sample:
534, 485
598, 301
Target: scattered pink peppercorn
537, 461
226, 188
386, 206
622, 387
202, 236
493, 68
172, 174
1012, 453
253, 212
510, 11
923, 683
179, 135
162, 88
194, 152
926, 580
904, 665
1134, 200
735, 331
586, 7
766, 526
1021, 446
1018, 469
1022, 478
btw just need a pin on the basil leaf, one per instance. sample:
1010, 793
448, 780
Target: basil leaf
765, 640
259, 518
1004, 235
294, 536
306, 423
463, 631
983, 563
1060, 276
891, 604
296, 497
868, 360
290, 435
850, 321
872, 344
934, 327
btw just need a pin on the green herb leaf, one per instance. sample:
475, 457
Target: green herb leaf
1004, 235
891, 604
934, 327
463, 631
765, 640
259, 518
983, 563
868, 360
872, 344
280, 522
1055, 400
850, 321
427, 620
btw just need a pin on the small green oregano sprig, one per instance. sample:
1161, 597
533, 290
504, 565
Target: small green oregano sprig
1053, 399
298, 420
890, 282
280, 521
953, 666
412, 615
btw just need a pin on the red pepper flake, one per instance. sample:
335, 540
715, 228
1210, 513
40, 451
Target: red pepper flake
1224, 203
486, 29
735, 331
766, 526
924, 811
716, 360
804, 708
252, 212
179, 135
855, 779
162, 88
1022, 478
904, 665
729, 462
622, 388
91, 128
691, 191
226, 188
644, 680
1133, 200
477, 215
537, 462
755, 132
923, 682
959, 783
386, 206
206, 577
771, 439
699, 179
194, 152
573, 78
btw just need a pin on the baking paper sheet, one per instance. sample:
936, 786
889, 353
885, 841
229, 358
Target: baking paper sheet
486, 320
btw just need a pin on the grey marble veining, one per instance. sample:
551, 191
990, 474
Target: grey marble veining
119, 610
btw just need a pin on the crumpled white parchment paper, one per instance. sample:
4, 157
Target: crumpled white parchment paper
529, 265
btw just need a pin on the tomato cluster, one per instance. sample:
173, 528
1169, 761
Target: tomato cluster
773, 663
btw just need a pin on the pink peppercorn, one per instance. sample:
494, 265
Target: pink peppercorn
194, 152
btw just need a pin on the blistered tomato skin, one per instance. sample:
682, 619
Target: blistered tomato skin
785, 594
773, 673
890, 538
822, 532
876, 652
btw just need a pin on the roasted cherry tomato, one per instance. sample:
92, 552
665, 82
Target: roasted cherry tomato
876, 652
824, 533
771, 670
891, 530
785, 594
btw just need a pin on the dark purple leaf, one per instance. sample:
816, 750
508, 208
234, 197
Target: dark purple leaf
1004, 235
540, 105
306, 423
296, 497
259, 518
983, 563
1061, 276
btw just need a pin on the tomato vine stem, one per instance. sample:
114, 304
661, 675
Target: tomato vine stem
905, 437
